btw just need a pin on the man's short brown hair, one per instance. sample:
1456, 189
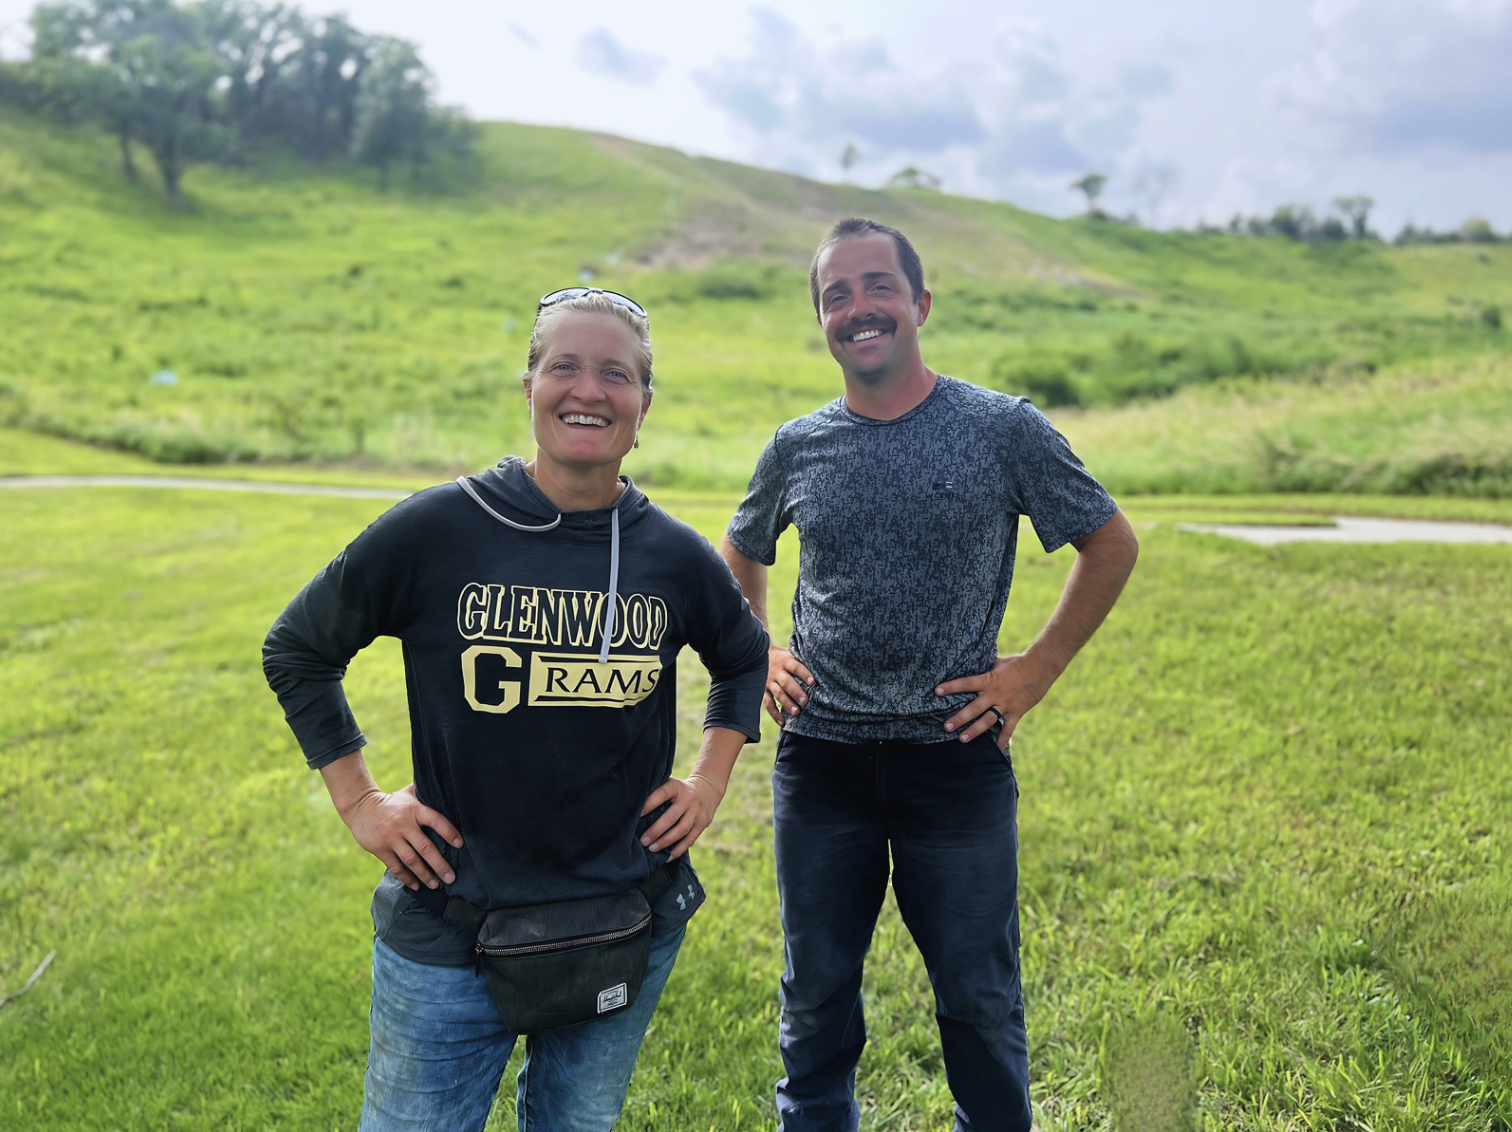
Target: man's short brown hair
913, 268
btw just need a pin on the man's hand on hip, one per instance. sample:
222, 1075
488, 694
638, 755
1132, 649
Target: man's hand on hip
1015, 684
788, 684
1005, 692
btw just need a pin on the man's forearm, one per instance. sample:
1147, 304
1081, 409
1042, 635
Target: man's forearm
1105, 558
750, 574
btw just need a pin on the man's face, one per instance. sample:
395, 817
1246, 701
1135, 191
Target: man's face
870, 318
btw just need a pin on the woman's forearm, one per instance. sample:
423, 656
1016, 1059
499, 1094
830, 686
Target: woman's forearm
348, 781
716, 757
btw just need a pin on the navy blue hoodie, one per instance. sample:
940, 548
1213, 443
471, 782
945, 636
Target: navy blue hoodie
534, 734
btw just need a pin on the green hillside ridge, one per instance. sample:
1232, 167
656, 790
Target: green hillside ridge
305, 316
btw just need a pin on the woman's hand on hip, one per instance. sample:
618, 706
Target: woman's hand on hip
392, 828
692, 802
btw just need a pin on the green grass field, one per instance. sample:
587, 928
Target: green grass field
1263, 816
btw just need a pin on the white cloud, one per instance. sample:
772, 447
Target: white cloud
787, 88
599, 53
1405, 77
1014, 121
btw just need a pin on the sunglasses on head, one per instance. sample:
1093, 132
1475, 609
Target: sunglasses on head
578, 292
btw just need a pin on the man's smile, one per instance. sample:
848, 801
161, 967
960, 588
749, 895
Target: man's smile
866, 332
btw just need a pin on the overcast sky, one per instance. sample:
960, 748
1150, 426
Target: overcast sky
1195, 110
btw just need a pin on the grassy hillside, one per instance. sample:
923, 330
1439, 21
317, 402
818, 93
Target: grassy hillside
1440, 427
306, 316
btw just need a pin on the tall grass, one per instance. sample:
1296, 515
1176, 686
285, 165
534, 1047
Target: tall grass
1434, 429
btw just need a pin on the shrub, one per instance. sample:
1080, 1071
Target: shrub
1044, 380
735, 281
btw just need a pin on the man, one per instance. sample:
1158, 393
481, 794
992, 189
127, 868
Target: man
896, 710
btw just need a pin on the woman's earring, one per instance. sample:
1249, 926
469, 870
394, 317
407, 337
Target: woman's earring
637, 441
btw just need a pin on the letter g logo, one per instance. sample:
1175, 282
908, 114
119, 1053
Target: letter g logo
510, 688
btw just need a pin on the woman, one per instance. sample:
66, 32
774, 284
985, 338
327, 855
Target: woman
541, 606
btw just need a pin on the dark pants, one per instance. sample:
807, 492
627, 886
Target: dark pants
948, 813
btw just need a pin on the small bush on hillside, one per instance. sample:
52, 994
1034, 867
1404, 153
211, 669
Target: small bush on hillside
1044, 380
734, 281
729, 279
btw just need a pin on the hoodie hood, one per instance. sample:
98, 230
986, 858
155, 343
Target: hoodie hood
507, 493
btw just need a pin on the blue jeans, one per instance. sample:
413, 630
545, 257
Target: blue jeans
439, 1049
946, 814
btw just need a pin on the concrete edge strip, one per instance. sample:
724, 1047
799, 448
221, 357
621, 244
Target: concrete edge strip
195, 484
1346, 528
1363, 530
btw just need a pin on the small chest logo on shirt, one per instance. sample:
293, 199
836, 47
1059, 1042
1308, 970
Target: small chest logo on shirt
492, 676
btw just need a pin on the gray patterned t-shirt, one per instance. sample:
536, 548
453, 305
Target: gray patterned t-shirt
907, 530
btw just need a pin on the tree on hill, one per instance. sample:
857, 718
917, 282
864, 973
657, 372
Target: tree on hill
1478, 230
910, 177
219, 79
73, 90
1091, 186
1299, 222
1356, 209
323, 85
257, 48
848, 157
148, 75
393, 106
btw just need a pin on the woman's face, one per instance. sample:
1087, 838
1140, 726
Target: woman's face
587, 398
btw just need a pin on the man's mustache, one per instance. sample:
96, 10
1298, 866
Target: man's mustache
871, 322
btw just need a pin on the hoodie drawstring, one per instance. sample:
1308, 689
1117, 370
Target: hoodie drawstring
614, 546
613, 582
478, 499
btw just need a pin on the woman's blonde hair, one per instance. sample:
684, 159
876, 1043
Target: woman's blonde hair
592, 304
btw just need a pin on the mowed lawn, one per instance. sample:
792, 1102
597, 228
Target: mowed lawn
1264, 829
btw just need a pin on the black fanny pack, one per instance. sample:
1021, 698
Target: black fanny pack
554, 965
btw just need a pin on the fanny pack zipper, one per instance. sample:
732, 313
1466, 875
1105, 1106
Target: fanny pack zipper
563, 944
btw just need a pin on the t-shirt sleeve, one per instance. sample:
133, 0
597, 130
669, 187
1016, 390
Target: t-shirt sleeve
1051, 486
729, 640
762, 515
356, 598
